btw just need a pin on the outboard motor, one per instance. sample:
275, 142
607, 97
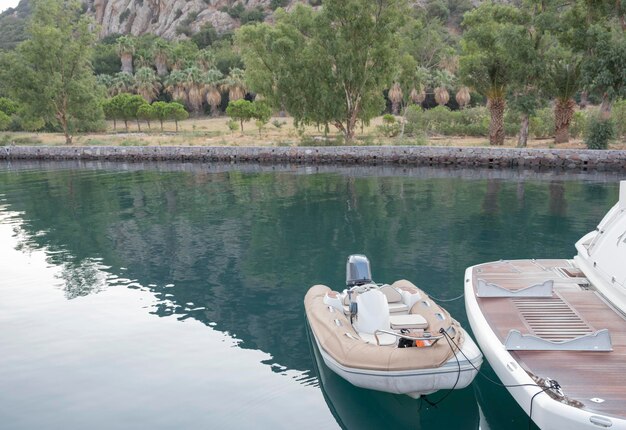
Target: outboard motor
358, 270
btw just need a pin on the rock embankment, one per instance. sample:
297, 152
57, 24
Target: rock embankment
345, 155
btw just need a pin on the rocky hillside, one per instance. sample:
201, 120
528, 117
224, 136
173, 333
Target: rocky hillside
176, 19
167, 18
13, 25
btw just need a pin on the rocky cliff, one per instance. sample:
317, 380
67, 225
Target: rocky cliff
166, 18
172, 19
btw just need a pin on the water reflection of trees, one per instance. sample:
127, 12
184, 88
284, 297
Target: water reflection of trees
246, 247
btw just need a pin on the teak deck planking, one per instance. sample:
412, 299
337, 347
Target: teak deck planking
583, 375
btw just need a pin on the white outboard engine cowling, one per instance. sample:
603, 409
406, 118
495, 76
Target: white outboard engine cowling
373, 312
358, 270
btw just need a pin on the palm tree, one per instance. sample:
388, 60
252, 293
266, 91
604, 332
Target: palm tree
205, 59
175, 85
147, 84
107, 82
395, 96
122, 82
564, 74
126, 50
213, 94
142, 61
463, 97
161, 52
442, 80
195, 86
418, 96
235, 85
418, 92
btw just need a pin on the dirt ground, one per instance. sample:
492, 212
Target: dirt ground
278, 132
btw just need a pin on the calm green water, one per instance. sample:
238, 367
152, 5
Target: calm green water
170, 296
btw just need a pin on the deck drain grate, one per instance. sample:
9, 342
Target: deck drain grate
552, 318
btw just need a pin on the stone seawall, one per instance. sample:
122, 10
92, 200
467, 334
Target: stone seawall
345, 155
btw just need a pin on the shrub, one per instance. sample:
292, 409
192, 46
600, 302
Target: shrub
578, 125
8, 106
541, 124
252, 15
124, 15
390, 127
599, 133
389, 119
234, 11
275, 4
619, 116
5, 121
468, 122
278, 124
233, 125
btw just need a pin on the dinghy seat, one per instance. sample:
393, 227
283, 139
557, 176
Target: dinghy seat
394, 299
411, 321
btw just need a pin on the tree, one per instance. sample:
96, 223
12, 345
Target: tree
147, 84
122, 83
125, 107
562, 81
442, 81
5, 121
112, 111
213, 95
160, 111
234, 84
177, 112
262, 113
205, 36
205, 59
8, 106
488, 64
329, 66
161, 52
241, 110
51, 74
175, 85
126, 50
395, 96
194, 84
147, 113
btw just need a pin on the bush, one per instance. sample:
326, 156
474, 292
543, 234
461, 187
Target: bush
578, 126
619, 116
8, 106
124, 16
233, 125
541, 124
389, 119
599, 133
5, 121
234, 11
252, 15
390, 127
275, 4
467, 122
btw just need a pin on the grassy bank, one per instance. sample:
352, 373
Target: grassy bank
280, 131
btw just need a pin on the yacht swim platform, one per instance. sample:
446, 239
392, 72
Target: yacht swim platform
554, 331
591, 377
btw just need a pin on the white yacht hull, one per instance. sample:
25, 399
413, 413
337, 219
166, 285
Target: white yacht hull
547, 413
415, 382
